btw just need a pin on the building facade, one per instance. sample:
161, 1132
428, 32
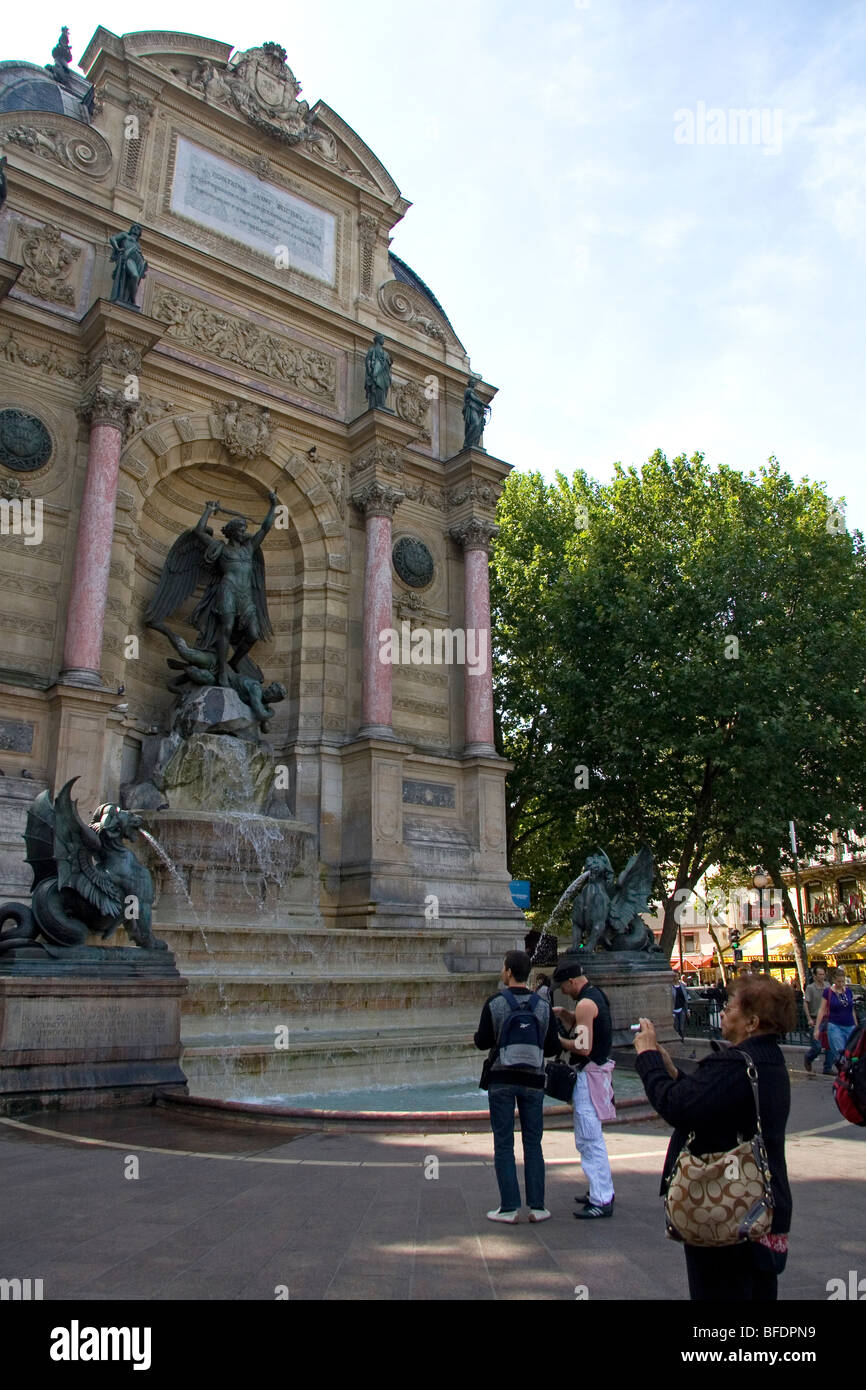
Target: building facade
266, 226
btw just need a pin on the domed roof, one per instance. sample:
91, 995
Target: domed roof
27, 87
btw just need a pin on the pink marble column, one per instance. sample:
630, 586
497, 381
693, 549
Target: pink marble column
378, 503
82, 649
475, 537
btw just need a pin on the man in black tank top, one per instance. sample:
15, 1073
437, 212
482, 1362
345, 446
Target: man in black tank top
591, 1025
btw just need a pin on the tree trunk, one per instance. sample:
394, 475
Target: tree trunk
720, 953
798, 939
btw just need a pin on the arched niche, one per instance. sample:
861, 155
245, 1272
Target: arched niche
170, 473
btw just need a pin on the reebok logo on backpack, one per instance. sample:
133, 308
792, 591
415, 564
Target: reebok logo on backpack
849, 1088
521, 1039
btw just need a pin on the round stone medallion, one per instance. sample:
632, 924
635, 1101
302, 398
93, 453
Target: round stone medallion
413, 562
25, 443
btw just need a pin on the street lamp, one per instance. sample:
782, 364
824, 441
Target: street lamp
761, 879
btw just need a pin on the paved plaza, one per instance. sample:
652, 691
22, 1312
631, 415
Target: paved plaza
225, 1213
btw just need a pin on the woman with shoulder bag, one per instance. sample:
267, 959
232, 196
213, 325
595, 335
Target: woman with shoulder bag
737, 1093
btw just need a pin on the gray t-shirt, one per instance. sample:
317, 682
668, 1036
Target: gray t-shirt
813, 996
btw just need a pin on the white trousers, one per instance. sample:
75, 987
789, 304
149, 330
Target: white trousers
589, 1142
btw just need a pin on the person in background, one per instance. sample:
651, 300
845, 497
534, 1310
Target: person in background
543, 987
591, 1023
680, 1004
812, 1000
837, 1010
712, 1108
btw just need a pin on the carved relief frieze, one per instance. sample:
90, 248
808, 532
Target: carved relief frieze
475, 491
236, 339
48, 360
402, 303
426, 495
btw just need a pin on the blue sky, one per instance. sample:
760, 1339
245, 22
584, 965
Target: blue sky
624, 290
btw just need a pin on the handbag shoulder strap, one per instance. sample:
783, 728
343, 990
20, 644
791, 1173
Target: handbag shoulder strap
752, 1074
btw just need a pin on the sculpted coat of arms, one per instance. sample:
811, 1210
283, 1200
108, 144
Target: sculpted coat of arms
246, 429
262, 87
47, 261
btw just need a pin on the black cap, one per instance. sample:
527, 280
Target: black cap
569, 972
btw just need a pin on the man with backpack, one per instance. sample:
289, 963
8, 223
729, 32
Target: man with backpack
518, 1029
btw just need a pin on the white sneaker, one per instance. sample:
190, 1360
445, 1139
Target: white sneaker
539, 1214
509, 1217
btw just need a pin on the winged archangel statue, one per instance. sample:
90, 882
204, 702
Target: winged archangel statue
606, 914
232, 612
84, 878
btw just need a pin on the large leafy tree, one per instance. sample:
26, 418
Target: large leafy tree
696, 640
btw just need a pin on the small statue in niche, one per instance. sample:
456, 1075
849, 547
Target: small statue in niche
130, 267
475, 414
377, 374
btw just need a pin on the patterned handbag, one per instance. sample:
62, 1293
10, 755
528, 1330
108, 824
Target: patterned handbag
722, 1198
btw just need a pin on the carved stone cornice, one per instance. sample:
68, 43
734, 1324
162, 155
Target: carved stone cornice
102, 406
378, 499
474, 534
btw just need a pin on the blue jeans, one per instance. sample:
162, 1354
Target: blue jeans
837, 1036
530, 1108
815, 1049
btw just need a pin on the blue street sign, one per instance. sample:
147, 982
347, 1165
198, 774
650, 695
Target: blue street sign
520, 892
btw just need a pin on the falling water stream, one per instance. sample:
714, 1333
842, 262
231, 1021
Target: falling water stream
178, 880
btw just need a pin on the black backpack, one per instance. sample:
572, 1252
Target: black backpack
521, 1038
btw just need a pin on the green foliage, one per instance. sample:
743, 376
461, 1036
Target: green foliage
699, 646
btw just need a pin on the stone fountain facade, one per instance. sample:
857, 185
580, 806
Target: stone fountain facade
342, 915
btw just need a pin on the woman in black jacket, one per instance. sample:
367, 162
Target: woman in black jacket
716, 1103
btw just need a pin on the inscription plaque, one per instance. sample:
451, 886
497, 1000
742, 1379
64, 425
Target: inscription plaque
229, 199
428, 794
16, 736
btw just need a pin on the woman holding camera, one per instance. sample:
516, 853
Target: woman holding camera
715, 1103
